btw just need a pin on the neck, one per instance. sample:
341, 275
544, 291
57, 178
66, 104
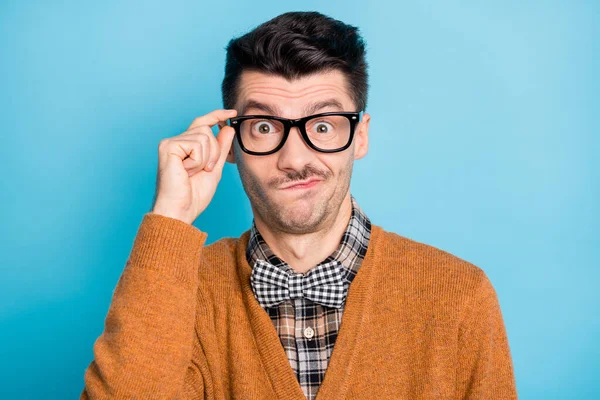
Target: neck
303, 252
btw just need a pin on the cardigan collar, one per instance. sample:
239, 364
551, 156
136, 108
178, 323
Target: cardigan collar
342, 363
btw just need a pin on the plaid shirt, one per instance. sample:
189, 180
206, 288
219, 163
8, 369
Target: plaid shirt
308, 330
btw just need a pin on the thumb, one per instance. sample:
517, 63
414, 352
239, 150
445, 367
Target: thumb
225, 138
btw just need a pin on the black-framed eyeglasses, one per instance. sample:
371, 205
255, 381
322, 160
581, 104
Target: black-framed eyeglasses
328, 132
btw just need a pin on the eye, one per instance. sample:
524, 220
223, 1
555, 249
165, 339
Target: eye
264, 127
322, 127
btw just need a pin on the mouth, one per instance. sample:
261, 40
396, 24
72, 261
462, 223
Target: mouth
310, 183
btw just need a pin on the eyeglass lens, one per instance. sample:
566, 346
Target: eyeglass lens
326, 132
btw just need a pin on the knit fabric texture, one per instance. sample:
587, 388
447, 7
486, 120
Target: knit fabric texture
183, 323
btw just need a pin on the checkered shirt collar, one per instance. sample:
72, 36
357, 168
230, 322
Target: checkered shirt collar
349, 253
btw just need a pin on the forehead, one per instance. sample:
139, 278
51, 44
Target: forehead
293, 98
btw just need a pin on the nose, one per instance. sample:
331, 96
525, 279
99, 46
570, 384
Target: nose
295, 153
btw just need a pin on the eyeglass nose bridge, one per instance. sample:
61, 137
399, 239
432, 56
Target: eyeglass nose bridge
299, 123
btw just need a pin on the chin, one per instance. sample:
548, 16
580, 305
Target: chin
301, 214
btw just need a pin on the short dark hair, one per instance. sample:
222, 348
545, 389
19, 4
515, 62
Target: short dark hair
296, 44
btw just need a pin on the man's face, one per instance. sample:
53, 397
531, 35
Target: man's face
266, 179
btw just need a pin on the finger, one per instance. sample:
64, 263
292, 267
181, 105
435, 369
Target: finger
210, 146
193, 171
213, 157
195, 153
225, 139
205, 150
212, 118
198, 129
173, 149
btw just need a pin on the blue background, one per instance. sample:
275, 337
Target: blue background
484, 143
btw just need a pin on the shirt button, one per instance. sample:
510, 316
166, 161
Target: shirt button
309, 332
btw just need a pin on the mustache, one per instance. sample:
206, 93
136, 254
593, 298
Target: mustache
307, 172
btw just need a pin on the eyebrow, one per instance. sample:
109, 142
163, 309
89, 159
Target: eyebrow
310, 108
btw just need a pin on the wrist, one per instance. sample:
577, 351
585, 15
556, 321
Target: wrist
181, 216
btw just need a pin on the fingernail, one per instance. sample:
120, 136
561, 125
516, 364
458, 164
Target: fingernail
210, 165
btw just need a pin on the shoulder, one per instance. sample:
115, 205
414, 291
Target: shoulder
426, 263
218, 262
224, 247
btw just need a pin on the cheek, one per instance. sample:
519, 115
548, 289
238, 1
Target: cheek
338, 165
260, 169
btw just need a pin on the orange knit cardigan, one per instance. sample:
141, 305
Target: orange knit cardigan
419, 323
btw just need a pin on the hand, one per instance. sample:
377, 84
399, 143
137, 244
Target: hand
190, 167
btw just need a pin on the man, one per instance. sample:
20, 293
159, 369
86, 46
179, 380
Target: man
313, 301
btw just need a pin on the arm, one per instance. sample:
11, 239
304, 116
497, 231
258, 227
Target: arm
485, 369
145, 349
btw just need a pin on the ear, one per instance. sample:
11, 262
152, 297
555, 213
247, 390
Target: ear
231, 155
361, 137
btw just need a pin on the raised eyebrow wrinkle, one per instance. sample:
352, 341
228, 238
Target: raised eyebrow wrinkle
314, 107
308, 110
259, 106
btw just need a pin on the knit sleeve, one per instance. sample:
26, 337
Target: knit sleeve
145, 349
485, 368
